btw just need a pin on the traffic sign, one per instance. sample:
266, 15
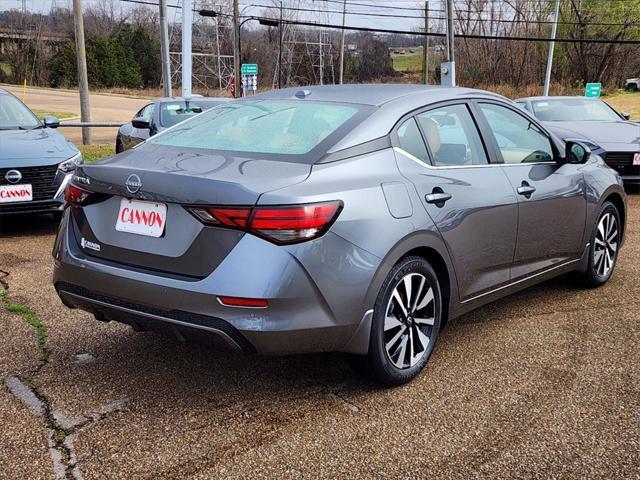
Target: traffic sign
592, 90
249, 69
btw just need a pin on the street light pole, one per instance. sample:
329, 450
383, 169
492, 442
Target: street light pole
280, 50
236, 49
187, 21
554, 29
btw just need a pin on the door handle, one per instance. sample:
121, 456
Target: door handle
439, 198
525, 189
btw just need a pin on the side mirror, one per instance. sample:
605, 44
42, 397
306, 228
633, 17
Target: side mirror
140, 122
51, 122
625, 115
576, 152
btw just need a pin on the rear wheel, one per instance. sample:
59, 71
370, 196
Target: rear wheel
605, 242
119, 146
406, 322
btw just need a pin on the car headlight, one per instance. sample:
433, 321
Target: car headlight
71, 164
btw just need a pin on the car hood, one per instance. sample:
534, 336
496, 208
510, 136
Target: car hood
30, 148
617, 135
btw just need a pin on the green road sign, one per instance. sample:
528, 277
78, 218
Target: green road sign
249, 69
592, 89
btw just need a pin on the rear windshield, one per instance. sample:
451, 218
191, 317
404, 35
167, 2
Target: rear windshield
265, 127
172, 113
573, 110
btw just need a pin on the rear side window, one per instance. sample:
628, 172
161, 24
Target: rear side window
452, 136
268, 127
410, 140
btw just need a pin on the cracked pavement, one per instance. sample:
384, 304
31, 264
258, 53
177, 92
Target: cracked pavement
545, 383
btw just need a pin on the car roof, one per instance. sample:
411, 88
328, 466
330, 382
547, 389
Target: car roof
376, 94
193, 99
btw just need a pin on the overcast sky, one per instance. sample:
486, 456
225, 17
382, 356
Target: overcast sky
401, 7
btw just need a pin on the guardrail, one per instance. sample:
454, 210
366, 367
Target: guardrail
92, 124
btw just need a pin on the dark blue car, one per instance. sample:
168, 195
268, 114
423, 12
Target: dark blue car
605, 131
36, 161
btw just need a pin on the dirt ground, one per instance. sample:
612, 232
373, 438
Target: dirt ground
544, 384
104, 108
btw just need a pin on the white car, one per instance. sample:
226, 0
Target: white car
632, 84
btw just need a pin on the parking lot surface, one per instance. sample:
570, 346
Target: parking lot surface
543, 384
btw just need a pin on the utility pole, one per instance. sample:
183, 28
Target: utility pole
83, 81
450, 32
280, 49
187, 22
164, 45
554, 29
236, 49
344, 32
448, 69
321, 60
425, 47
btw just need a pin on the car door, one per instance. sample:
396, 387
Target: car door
468, 198
551, 194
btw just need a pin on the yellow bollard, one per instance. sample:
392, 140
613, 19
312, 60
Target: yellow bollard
24, 91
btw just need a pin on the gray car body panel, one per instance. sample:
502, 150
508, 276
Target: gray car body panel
322, 292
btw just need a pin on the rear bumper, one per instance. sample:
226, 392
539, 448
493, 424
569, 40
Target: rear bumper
299, 317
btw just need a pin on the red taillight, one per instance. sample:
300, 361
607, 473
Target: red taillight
75, 195
243, 302
280, 224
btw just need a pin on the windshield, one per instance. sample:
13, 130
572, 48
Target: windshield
172, 113
573, 110
14, 114
269, 127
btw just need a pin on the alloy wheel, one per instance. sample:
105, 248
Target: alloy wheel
606, 245
409, 320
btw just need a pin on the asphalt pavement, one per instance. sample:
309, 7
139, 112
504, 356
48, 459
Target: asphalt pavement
543, 384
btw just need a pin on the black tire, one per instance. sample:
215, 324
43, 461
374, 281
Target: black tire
119, 148
632, 87
596, 274
383, 367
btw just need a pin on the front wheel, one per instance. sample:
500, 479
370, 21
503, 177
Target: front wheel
605, 243
406, 322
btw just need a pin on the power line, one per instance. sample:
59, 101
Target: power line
468, 19
465, 35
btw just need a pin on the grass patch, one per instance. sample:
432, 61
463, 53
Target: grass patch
61, 115
92, 153
31, 318
408, 62
625, 102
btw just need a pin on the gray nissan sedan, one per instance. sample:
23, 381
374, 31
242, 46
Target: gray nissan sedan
339, 218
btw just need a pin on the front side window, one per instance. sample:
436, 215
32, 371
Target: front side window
519, 139
14, 114
146, 113
410, 140
452, 136
266, 127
